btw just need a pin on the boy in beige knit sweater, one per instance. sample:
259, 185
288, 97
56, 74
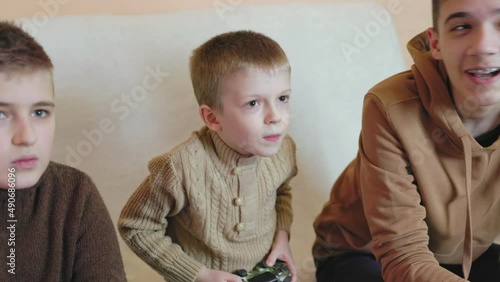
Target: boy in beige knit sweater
221, 201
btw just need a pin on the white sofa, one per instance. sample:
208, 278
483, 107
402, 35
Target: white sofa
123, 93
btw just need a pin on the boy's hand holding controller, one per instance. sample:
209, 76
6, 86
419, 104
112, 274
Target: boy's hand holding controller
212, 275
281, 251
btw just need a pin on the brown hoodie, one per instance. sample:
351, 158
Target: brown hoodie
421, 190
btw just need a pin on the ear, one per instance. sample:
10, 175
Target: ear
434, 43
209, 117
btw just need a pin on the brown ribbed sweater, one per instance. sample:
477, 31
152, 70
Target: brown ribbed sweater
205, 205
63, 231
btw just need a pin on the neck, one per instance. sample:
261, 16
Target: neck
479, 126
477, 119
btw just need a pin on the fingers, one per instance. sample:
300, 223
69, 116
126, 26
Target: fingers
271, 258
291, 267
234, 278
293, 271
285, 257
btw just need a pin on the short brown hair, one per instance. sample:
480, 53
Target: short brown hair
436, 7
20, 51
227, 54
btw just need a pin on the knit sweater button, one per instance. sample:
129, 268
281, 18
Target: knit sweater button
240, 227
236, 170
238, 201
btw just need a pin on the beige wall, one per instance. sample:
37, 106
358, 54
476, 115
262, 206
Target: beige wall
410, 16
17, 8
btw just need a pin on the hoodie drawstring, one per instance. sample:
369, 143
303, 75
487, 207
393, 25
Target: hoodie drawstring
467, 259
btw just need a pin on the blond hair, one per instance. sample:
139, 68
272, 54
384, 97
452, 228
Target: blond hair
227, 54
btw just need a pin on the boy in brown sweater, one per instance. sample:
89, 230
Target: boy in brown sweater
53, 223
220, 201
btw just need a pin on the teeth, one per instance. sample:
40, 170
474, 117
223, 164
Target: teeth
484, 71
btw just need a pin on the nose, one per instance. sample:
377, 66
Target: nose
485, 42
24, 133
273, 115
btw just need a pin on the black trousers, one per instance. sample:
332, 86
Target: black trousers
356, 267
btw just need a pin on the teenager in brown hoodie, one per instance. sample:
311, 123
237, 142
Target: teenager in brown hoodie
421, 200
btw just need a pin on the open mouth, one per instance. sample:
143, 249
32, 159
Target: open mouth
485, 73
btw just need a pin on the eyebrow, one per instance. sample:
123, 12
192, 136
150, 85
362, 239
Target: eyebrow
456, 15
465, 15
39, 104
289, 91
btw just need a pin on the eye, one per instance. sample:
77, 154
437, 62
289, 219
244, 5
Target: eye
460, 27
40, 113
252, 104
2, 116
284, 98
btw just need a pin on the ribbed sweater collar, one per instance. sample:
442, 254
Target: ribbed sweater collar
26, 199
229, 157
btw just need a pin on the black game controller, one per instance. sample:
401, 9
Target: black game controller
279, 272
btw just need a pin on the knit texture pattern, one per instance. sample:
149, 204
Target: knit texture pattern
63, 231
205, 205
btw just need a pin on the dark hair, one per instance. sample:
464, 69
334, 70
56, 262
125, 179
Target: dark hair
436, 7
19, 50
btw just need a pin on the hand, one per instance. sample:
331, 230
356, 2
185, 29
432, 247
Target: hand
211, 275
281, 250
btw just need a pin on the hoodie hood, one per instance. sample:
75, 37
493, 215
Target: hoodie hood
433, 87
432, 83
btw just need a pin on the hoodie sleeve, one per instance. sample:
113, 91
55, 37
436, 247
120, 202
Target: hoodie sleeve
392, 203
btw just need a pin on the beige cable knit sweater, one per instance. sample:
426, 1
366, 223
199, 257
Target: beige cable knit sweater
205, 205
